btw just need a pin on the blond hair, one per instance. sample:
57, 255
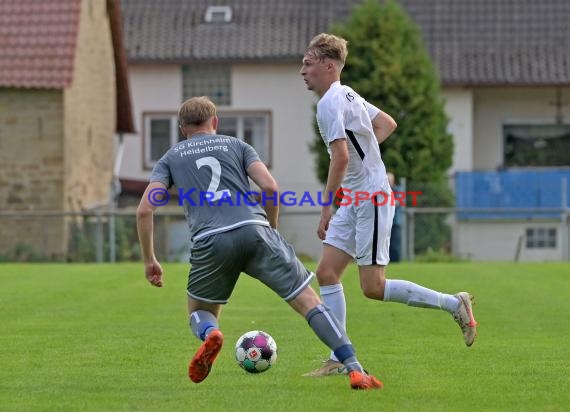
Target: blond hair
325, 45
196, 111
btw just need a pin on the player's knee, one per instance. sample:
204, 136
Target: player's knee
327, 276
373, 294
374, 290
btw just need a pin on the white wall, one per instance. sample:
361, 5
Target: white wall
497, 240
278, 88
459, 109
154, 88
281, 89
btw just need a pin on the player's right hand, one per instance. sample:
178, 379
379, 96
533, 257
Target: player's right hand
326, 215
153, 273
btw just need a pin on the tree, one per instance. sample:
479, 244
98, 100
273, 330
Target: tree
389, 66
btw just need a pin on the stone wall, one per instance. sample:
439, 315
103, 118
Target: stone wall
31, 166
90, 111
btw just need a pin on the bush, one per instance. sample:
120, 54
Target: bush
21, 252
435, 256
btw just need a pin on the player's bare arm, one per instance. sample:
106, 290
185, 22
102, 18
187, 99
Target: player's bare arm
145, 228
383, 126
337, 170
338, 165
258, 172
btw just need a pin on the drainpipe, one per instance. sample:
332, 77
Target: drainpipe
113, 196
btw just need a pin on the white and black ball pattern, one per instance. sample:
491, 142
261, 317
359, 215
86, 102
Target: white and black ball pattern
256, 351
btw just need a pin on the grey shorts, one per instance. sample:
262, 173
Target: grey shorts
256, 250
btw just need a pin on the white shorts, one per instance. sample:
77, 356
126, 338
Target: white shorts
363, 232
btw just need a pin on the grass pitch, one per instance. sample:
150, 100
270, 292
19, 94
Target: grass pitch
99, 338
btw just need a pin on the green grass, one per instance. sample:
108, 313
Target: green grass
98, 338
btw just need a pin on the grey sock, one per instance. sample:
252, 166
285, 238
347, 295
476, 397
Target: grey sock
327, 328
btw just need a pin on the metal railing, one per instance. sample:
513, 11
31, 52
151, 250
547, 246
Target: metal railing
110, 236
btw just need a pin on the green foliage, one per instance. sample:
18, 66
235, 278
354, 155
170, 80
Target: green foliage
83, 239
21, 252
431, 230
82, 245
127, 245
438, 256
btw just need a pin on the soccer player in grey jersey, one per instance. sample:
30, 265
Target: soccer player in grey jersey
231, 234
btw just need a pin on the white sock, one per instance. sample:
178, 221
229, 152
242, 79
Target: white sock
415, 295
333, 297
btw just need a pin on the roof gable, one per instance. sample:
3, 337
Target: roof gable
38, 39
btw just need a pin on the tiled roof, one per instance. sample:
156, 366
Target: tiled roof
37, 42
495, 42
260, 29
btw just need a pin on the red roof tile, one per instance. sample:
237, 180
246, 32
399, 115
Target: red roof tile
37, 42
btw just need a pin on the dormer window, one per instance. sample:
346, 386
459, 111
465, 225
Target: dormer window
218, 14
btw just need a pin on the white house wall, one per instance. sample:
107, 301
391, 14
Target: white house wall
154, 88
497, 241
459, 109
493, 107
281, 89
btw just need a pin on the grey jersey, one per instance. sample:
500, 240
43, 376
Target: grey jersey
209, 172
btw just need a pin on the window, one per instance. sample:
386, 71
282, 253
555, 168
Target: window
541, 238
251, 127
161, 132
218, 14
537, 145
212, 80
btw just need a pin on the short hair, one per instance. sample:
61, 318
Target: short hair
328, 46
196, 110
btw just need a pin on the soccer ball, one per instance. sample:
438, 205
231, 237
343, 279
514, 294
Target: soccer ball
256, 351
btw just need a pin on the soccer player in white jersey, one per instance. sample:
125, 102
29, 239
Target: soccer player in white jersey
352, 130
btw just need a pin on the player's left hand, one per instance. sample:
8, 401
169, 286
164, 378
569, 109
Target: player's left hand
153, 273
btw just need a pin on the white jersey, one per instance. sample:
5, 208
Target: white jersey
343, 114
